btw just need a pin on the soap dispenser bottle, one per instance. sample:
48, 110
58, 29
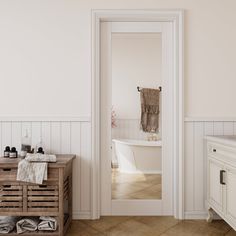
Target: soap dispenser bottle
7, 151
40, 150
13, 153
39, 147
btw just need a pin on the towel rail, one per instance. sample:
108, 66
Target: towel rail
139, 88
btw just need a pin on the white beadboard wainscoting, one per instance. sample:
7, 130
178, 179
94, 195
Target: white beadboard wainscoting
59, 136
195, 161
129, 129
73, 135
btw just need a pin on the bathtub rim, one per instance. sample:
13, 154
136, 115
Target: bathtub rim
136, 142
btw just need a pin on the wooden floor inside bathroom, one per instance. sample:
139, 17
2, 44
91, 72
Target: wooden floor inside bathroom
135, 186
148, 226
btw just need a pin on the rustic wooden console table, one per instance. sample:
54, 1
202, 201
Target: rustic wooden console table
52, 198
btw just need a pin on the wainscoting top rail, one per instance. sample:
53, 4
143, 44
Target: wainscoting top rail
206, 118
45, 118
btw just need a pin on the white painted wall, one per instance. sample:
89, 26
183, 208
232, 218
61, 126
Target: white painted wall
129, 129
45, 59
136, 61
46, 45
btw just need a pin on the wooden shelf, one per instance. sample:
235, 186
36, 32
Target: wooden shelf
29, 214
36, 233
27, 199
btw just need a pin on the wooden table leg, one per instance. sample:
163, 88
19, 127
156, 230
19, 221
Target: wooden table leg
61, 202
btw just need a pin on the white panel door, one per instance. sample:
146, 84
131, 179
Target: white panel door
138, 207
214, 184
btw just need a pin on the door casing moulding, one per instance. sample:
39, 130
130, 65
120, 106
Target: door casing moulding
177, 18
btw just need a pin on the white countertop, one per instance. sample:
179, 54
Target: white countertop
223, 139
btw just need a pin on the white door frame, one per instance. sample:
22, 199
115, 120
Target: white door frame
176, 17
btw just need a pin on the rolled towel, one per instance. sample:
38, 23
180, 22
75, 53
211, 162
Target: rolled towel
7, 224
27, 224
47, 223
38, 157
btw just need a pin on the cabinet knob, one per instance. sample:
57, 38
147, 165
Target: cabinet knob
214, 150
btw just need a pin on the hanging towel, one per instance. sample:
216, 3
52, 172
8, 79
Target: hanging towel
149, 109
7, 224
33, 172
27, 224
47, 223
37, 157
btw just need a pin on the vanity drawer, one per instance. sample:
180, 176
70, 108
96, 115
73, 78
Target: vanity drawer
11, 173
221, 152
212, 149
44, 197
53, 174
8, 173
11, 197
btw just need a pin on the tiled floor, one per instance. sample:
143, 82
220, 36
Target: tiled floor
135, 186
148, 226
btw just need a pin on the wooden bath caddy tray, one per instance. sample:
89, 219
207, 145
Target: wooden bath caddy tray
52, 198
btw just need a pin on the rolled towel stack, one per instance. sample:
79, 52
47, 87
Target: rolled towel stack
27, 224
7, 224
47, 223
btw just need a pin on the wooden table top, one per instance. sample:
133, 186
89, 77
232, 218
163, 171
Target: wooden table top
62, 161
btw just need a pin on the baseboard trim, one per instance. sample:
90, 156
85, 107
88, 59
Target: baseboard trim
86, 215
195, 215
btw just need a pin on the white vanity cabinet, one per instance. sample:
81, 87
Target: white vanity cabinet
230, 194
221, 177
215, 169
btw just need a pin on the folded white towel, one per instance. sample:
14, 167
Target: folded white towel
38, 157
32, 172
7, 224
47, 223
27, 224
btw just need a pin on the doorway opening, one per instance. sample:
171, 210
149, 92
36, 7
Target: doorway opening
137, 184
136, 157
